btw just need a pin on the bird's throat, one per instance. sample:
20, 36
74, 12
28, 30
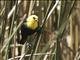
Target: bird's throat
32, 25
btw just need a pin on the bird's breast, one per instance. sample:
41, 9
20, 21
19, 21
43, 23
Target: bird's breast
32, 25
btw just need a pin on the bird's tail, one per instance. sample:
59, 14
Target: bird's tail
24, 41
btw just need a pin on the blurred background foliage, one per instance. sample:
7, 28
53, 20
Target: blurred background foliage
59, 37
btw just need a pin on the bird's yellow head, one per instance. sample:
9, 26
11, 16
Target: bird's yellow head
32, 18
32, 22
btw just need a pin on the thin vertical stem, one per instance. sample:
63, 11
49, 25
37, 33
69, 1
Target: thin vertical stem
76, 37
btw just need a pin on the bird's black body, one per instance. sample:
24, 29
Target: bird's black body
25, 32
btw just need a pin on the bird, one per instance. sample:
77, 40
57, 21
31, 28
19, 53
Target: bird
29, 27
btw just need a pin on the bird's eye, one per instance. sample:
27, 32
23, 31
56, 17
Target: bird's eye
34, 18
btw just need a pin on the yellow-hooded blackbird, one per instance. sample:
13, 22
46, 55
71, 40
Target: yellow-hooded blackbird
29, 27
